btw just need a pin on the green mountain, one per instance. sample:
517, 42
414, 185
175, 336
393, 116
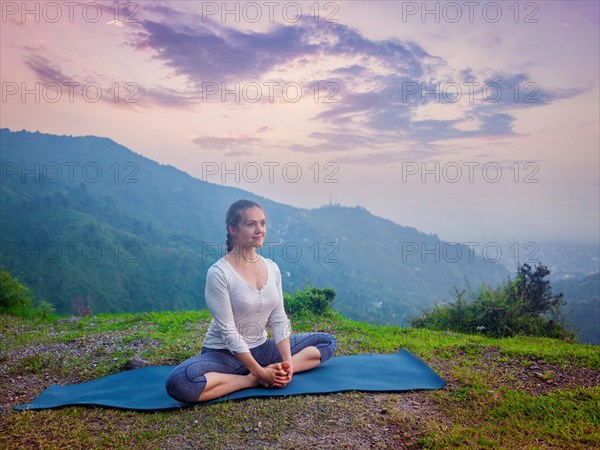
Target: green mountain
89, 225
583, 306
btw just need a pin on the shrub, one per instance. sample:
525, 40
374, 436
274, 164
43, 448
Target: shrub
524, 306
310, 300
15, 299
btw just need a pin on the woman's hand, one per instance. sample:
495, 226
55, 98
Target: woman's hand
284, 373
286, 366
275, 375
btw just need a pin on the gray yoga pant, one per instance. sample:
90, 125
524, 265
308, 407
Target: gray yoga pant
186, 382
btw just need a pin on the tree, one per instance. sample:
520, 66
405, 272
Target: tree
536, 292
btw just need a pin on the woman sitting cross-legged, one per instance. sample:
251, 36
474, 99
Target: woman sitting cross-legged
244, 294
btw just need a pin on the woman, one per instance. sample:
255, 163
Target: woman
244, 293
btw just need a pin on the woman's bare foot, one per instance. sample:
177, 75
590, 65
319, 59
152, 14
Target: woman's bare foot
252, 380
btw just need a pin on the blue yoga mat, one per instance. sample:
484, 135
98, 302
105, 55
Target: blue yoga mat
144, 389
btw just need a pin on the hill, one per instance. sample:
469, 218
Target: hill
583, 306
91, 226
501, 393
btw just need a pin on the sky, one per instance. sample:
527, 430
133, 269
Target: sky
475, 121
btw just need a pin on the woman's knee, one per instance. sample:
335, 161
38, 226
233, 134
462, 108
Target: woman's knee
327, 345
323, 339
182, 389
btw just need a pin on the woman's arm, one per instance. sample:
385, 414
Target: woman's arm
218, 302
286, 356
284, 350
278, 319
281, 330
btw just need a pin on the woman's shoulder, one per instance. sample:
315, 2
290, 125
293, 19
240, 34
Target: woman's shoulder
220, 266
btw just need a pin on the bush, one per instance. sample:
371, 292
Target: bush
15, 299
311, 300
523, 306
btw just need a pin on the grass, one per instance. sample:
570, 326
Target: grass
491, 400
513, 419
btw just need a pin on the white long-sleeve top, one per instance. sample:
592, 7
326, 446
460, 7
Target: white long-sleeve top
240, 311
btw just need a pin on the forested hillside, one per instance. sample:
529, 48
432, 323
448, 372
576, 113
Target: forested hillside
583, 306
89, 225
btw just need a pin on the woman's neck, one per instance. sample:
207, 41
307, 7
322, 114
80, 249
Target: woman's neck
246, 255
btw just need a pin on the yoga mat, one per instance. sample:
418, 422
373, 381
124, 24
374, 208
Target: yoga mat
144, 389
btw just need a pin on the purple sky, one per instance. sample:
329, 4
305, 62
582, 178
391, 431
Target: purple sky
474, 122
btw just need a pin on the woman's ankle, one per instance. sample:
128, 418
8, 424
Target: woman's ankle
252, 380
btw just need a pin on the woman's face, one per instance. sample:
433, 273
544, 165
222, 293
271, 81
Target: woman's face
252, 229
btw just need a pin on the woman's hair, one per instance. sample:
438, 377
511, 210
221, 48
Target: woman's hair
234, 216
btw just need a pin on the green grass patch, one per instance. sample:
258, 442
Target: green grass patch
516, 419
552, 350
476, 409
